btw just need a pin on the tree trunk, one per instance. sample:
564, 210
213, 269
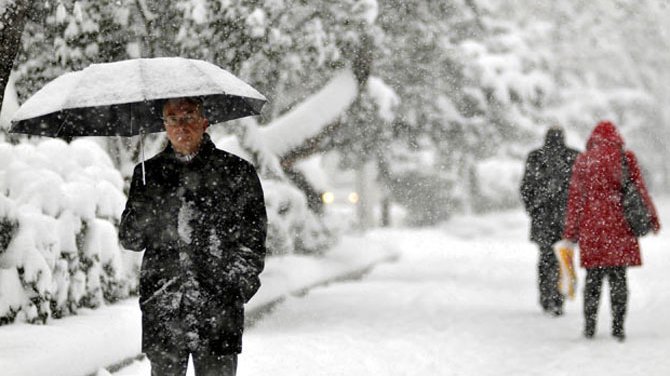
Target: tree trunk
384, 180
12, 22
386, 211
365, 180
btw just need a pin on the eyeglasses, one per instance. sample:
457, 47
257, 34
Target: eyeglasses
177, 120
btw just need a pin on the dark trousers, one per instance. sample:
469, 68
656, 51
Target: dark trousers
618, 296
550, 297
205, 364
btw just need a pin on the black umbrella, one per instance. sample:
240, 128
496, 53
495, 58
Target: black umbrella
125, 98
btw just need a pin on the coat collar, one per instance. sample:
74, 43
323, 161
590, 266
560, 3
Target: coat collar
206, 148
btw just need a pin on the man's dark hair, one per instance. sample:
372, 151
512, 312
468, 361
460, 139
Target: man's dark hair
199, 102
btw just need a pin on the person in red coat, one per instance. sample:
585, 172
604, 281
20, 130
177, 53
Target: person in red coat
595, 220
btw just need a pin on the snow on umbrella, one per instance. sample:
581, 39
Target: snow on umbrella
125, 98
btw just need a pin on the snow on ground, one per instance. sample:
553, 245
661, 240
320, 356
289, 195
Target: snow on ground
71, 346
462, 301
80, 345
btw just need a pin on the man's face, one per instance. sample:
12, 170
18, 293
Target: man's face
185, 125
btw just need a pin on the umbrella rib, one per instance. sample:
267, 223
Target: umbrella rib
66, 105
205, 74
62, 124
245, 100
140, 68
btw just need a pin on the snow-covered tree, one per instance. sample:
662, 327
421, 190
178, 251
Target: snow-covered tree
420, 59
480, 81
277, 46
610, 61
14, 14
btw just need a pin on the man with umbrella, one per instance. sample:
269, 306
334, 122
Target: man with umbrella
197, 211
201, 218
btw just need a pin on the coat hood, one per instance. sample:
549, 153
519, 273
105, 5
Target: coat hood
605, 133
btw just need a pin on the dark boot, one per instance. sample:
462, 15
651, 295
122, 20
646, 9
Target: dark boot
589, 328
619, 334
617, 330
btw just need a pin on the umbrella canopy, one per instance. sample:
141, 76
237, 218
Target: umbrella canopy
125, 98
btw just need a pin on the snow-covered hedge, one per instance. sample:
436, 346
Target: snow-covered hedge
59, 251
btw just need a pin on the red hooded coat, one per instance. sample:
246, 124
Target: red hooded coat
595, 217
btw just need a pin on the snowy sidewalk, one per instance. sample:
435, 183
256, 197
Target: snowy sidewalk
461, 301
81, 345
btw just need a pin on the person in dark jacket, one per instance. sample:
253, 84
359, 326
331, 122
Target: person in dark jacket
544, 191
595, 220
201, 220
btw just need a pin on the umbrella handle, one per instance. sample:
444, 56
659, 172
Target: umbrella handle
144, 177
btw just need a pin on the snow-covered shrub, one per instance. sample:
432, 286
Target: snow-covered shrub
59, 250
7, 228
10, 302
291, 225
8, 222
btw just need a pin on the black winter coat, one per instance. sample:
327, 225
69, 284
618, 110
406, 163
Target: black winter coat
203, 225
544, 188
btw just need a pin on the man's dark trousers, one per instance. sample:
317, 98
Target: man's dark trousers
205, 364
551, 298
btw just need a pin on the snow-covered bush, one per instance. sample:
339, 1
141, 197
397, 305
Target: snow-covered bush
291, 225
58, 243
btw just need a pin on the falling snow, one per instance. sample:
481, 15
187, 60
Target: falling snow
411, 115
